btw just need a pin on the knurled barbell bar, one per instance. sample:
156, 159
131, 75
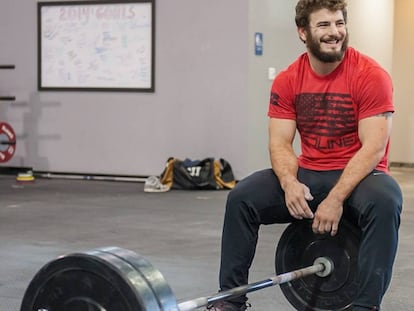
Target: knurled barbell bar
117, 279
322, 267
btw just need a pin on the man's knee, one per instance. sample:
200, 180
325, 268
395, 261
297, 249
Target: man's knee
253, 188
379, 199
384, 206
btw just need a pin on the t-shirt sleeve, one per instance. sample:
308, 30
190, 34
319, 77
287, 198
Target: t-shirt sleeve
281, 103
376, 93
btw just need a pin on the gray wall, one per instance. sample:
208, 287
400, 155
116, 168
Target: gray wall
281, 45
403, 67
211, 92
199, 108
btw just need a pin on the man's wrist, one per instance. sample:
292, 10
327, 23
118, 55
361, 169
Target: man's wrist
287, 180
337, 196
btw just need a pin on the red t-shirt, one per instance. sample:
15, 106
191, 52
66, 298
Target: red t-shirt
327, 108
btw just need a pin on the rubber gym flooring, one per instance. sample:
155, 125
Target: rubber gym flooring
178, 232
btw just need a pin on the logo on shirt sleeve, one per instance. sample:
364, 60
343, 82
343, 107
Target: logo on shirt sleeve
274, 99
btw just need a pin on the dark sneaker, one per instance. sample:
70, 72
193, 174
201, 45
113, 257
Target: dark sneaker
227, 306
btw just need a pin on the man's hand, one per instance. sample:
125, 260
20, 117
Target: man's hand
327, 216
296, 195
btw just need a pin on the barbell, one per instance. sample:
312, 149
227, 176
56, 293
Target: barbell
117, 279
7, 142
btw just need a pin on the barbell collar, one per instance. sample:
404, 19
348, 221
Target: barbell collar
322, 266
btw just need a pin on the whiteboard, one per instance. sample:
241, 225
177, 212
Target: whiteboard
96, 45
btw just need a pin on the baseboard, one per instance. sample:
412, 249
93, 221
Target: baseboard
402, 164
11, 170
4, 170
89, 176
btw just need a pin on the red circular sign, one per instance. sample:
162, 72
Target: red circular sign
7, 142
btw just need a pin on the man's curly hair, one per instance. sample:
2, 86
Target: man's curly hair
305, 7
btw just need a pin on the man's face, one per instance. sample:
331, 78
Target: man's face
327, 35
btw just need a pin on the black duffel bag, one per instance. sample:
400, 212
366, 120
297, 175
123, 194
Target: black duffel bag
206, 174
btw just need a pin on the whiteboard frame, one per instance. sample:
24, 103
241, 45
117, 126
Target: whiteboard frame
42, 86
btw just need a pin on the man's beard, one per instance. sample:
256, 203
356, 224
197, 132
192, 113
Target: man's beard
314, 47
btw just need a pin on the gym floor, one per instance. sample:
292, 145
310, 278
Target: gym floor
179, 232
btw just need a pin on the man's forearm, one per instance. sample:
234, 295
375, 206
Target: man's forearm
360, 165
284, 163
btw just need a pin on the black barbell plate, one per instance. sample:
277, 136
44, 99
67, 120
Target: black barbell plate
155, 280
90, 281
299, 247
143, 287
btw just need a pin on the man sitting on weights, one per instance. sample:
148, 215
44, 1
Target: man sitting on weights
340, 101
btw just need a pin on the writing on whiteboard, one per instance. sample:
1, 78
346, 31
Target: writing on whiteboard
96, 45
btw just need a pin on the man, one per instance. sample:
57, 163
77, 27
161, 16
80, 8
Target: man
340, 101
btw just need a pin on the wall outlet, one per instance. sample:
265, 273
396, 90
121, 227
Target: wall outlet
271, 73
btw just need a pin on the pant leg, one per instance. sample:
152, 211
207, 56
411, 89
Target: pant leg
257, 199
375, 205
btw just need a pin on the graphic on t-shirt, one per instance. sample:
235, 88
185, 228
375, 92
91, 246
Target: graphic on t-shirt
326, 120
274, 98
